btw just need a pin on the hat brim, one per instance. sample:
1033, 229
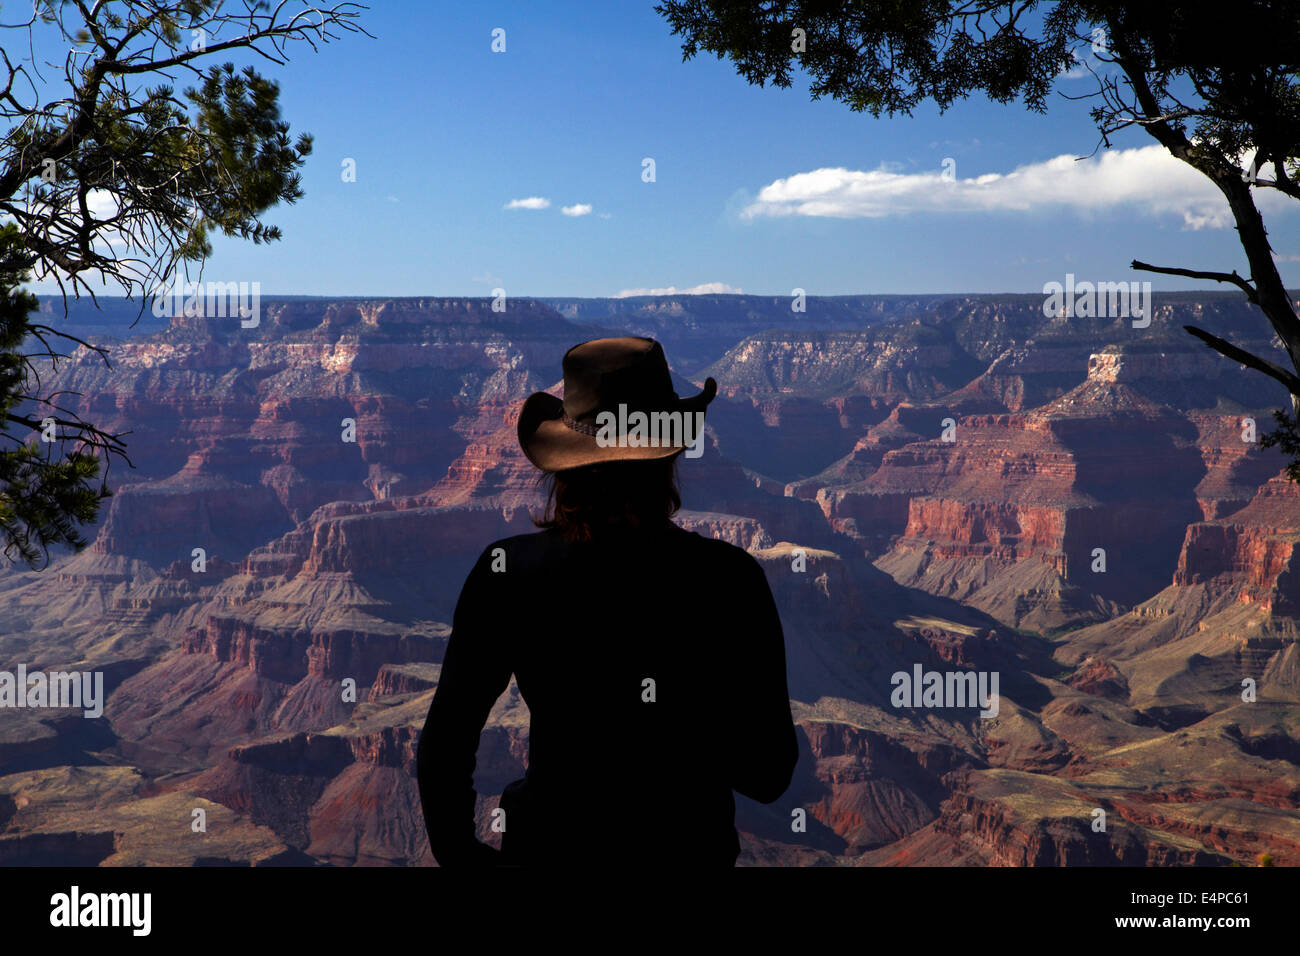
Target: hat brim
552, 445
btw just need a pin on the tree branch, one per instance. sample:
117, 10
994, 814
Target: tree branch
1232, 276
1224, 347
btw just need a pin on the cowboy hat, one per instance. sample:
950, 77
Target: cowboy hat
616, 392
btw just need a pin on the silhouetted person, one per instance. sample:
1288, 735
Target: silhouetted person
651, 658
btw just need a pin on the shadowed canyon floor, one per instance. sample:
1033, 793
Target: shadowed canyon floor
949, 483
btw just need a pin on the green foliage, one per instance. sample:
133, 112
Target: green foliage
171, 168
888, 56
42, 498
1287, 439
238, 117
124, 181
873, 56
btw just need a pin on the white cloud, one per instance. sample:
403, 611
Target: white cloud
1148, 179
707, 288
532, 202
1079, 68
579, 209
101, 203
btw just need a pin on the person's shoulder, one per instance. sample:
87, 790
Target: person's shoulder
722, 553
524, 552
521, 549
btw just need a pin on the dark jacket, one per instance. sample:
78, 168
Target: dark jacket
612, 776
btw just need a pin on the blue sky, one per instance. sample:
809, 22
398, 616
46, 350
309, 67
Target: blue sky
445, 133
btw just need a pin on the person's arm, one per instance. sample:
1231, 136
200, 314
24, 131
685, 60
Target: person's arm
475, 671
767, 747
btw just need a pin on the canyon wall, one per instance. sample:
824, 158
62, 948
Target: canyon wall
956, 483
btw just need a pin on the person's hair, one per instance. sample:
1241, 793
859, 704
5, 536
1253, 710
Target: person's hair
583, 502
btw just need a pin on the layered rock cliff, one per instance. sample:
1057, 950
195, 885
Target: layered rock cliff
955, 483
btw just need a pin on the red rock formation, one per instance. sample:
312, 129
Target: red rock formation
1251, 550
1048, 487
331, 560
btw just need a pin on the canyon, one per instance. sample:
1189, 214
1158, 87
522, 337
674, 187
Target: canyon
950, 483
